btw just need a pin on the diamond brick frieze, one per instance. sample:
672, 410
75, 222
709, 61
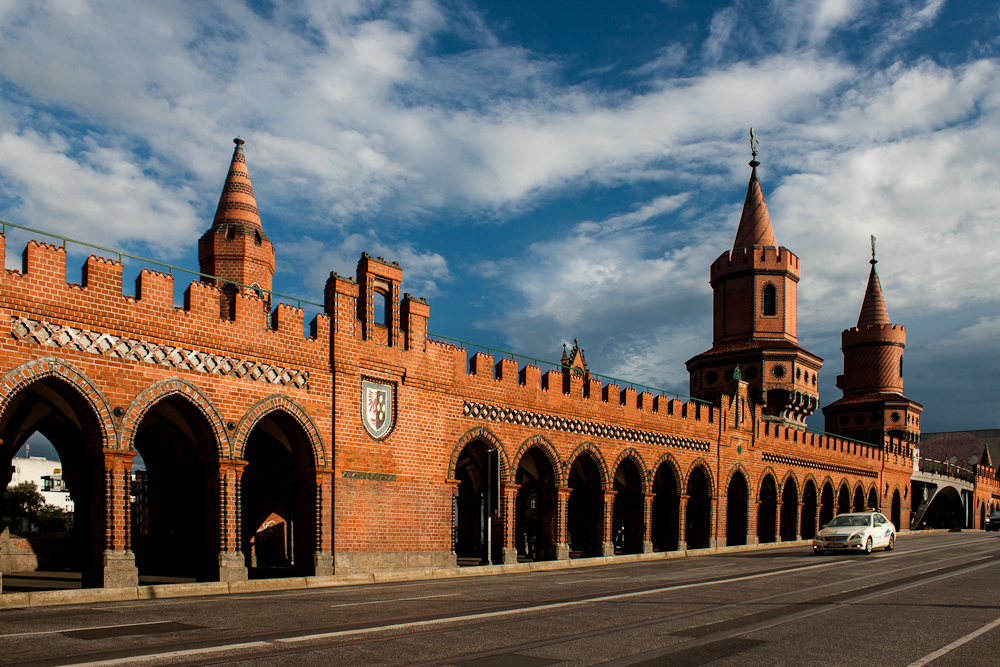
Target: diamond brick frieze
61, 336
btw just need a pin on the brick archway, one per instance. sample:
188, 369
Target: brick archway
636, 457
280, 403
598, 458
39, 369
542, 443
156, 392
700, 462
491, 439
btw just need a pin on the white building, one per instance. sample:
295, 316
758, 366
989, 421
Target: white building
47, 476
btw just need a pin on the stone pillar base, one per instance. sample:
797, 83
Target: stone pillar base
720, 542
509, 555
111, 569
607, 549
562, 552
713, 542
682, 545
230, 567
323, 564
647, 547
752, 540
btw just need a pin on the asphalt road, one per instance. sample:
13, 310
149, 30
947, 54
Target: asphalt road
934, 600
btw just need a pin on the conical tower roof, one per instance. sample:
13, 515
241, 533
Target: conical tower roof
873, 310
237, 203
755, 223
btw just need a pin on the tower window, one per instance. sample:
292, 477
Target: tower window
770, 300
379, 307
231, 233
256, 238
901, 367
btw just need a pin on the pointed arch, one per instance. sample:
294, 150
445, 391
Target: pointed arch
768, 471
280, 403
672, 465
159, 390
598, 458
631, 453
809, 478
784, 480
491, 439
700, 462
38, 369
545, 445
738, 468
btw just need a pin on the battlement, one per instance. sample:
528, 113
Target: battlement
759, 258
874, 333
776, 437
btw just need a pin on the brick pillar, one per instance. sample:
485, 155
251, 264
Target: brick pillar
647, 523
682, 512
230, 564
713, 524
798, 521
507, 512
323, 512
752, 537
452, 493
607, 540
777, 520
114, 565
562, 522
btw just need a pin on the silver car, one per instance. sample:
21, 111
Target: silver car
860, 531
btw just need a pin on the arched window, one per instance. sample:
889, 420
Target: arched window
379, 308
901, 366
770, 300
256, 238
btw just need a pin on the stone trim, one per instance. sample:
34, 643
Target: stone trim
370, 476
62, 336
540, 420
815, 465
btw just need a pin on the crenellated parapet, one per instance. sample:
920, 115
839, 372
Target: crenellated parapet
759, 259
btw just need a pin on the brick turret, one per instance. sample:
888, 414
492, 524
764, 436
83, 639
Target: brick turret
236, 247
873, 404
755, 322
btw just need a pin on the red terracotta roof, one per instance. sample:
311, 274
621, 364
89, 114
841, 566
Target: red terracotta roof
237, 203
873, 310
887, 396
755, 223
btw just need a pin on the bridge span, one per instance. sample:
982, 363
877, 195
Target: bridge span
943, 493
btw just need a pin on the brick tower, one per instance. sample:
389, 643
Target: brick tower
754, 322
873, 405
236, 247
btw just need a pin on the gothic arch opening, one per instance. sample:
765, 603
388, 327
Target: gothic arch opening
982, 516
767, 510
737, 502
477, 505
807, 525
789, 511
826, 510
586, 508
896, 511
628, 509
535, 508
55, 409
666, 509
859, 499
176, 518
699, 510
843, 499
278, 496
873, 498
946, 509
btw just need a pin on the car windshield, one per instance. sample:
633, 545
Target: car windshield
849, 521
995, 515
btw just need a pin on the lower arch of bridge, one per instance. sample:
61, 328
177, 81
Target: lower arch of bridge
807, 522
699, 510
177, 521
56, 409
536, 507
478, 497
666, 509
826, 505
767, 509
859, 499
628, 508
789, 523
585, 511
946, 509
844, 499
278, 499
737, 504
896, 510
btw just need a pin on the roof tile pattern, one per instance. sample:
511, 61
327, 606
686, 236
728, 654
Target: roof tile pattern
755, 223
237, 203
873, 310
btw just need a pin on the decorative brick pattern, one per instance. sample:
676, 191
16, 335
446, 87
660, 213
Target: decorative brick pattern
817, 465
540, 420
71, 338
369, 476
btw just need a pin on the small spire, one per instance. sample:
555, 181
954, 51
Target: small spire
237, 203
565, 357
755, 222
873, 310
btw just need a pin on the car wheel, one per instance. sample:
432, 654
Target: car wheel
892, 543
868, 546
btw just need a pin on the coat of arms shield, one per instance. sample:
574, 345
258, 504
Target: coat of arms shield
376, 408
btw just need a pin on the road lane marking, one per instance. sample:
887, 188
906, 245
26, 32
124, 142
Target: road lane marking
169, 654
96, 627
587, 581
955, 644
422, 597
544, 607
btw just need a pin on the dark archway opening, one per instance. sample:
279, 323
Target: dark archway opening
767, 510
666, 509
859, 499
176, 518
807, 525
278, 499
477, 504
872, 499
826, 507
628, 508
946, 510
699, 510
535, 507
844, 500
586, 508
897, 510
737, 502
789, 511
59, 412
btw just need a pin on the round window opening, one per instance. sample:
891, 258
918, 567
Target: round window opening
778, 371
711, 377
894, 417
750, 373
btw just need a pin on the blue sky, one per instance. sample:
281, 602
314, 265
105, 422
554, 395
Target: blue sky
542, 171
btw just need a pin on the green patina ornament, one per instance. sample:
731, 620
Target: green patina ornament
739, 449
737, 375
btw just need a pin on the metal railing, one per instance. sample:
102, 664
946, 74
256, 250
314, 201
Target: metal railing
946, 469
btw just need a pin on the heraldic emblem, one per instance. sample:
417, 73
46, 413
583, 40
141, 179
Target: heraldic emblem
376, 408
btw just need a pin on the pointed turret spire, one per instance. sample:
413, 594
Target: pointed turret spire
755, 223
873, 311
237, 203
